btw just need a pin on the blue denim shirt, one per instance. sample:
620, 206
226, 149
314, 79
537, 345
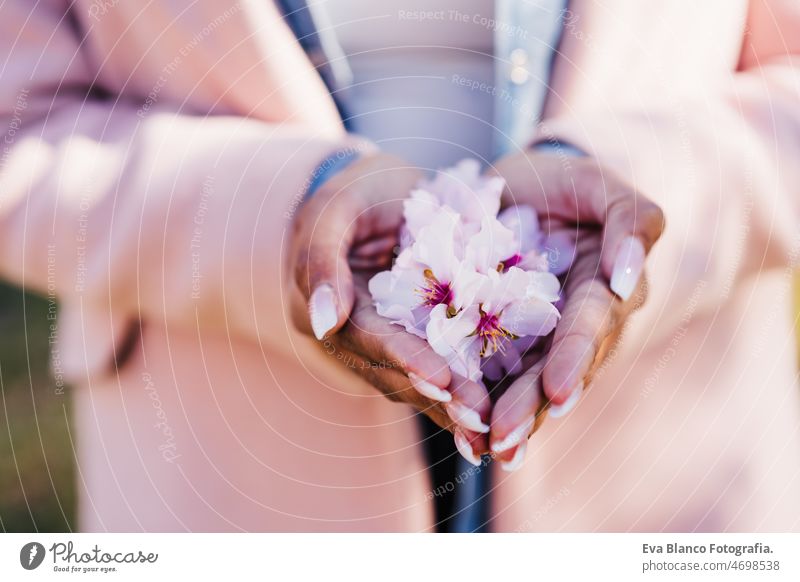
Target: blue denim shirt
524, 58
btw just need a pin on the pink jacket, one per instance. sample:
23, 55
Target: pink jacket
110, 194
142, 132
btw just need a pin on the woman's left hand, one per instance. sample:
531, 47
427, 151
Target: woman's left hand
615, 227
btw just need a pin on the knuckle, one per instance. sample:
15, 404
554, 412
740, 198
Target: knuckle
588, 175
585, 268
317, 263
593, 299
588, 168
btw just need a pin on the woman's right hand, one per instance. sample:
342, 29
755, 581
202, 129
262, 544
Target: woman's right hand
343, 235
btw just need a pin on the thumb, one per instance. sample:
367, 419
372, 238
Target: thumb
324, 233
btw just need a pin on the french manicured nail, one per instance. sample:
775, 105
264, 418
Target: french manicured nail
517, 460
627, 267
430, 390
322, 310
559, 410
515, 437
463, 446
466, 417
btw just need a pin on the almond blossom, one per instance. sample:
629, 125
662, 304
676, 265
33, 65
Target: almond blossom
479, 284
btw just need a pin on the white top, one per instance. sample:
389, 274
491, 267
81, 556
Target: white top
414, 64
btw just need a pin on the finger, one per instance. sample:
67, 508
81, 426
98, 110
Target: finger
370, 264
470, 407
324, 232
361, 203
589, 312
583, 193
515, 413
632, 223
590, 316
392, 383
375, 338
471, 445
378, 247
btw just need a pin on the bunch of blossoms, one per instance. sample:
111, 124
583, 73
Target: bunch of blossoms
479, 284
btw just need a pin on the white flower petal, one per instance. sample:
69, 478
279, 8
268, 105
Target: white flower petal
446, 333
491, 245
530, 317
466, 360
466, 191
534, 261
544, 286
523, 222
396, 298
437, 244
451, 338
418, 210
500, 289
388, 289
466, 284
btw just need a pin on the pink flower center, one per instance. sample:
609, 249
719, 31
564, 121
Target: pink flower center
435, 292
491, 333
511, 261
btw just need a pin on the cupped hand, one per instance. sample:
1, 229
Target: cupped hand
342, 235
405, 369
614, 226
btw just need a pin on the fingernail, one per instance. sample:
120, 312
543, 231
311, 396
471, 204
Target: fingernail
559, 410
466, 417
463, 446
515, 437
430, 390
627, 267
322, 310
517, 460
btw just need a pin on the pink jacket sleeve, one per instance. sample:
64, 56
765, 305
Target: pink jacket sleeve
721, 159
166, 216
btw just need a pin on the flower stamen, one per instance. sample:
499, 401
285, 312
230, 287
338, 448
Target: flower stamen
435, 292
492, 334
511, 261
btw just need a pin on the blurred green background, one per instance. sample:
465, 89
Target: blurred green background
37, 490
